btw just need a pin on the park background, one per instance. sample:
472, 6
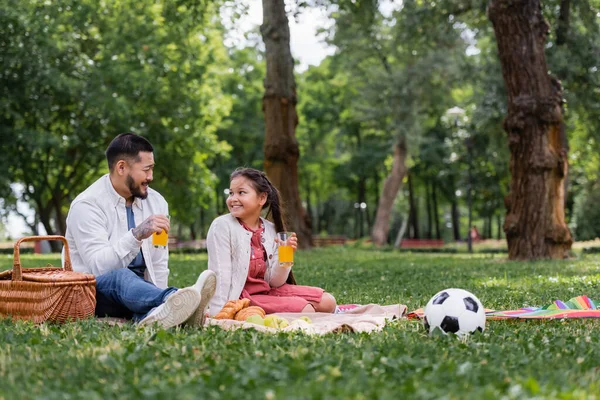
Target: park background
400, 127
411, 92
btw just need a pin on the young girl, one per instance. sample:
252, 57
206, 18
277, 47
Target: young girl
243, 253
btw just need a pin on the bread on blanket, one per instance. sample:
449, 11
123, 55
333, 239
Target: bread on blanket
244, 313
231, 308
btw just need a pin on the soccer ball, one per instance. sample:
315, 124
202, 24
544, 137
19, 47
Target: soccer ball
456, 311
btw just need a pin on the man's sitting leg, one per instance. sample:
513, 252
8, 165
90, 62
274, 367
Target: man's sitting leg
122, 291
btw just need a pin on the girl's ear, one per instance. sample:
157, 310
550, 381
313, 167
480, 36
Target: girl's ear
262, 198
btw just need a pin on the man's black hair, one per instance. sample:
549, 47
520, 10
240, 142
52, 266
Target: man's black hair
127, 146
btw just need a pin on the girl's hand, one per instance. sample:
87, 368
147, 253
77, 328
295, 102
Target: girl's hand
293, 241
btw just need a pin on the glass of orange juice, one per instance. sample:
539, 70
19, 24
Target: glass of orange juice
161, 239
286, 251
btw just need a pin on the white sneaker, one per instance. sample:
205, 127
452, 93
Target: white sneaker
175, 310
206, 286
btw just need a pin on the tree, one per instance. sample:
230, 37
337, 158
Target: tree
535, 224
76, 73
279, 105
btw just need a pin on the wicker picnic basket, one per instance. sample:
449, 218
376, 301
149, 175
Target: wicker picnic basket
48, 294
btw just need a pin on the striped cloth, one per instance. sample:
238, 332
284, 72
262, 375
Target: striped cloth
577, 307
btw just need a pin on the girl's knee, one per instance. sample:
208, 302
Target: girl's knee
309, 308
327, 303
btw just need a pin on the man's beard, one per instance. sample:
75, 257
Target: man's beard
136, 191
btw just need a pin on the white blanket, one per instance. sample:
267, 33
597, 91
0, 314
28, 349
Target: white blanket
367, 318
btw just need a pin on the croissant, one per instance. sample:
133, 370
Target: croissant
231, 308
244, 313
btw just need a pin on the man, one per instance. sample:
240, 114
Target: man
109, 230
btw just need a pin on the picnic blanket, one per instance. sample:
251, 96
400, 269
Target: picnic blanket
577, 307
367, 318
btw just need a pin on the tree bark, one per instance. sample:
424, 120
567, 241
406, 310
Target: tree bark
202, 232
192, 232
218, 200
61, 219
309, 209
499, 231
362, 198
45, 218
279, 106
401, 232
535, 225
391, 186
429, 213
413, 213
318, 214
455, 220
562, 32
371, 214
436, 217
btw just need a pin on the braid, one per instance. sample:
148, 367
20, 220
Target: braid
275, 208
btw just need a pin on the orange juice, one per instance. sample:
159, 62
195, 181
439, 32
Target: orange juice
160, 239
286, 255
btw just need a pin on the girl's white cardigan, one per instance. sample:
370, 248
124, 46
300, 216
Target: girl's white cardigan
229, 257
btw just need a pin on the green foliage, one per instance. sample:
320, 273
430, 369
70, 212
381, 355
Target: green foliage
74, 74
243, 128
339, 153
513, 360
586, 213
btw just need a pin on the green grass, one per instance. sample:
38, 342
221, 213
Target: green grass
512, 360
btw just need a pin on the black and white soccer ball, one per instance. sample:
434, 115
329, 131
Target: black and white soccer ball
454, 311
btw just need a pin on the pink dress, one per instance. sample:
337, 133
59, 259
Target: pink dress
286, 298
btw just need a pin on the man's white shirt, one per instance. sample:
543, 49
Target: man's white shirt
100, 240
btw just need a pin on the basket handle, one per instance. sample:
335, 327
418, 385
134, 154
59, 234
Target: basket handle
17, 274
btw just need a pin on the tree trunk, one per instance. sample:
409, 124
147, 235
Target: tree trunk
45, 219
309, 209
376, 189
401, 232
429, 213
218, 200
279, 106
455, 220
329, 214
436, 217
535, 225
319, 210
61, 219
562, 33
391, 186
202, 233
413, 213
362, 198
499, 231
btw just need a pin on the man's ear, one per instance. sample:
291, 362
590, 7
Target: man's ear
120, 167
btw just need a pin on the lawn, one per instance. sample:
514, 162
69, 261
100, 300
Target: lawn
512, 360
